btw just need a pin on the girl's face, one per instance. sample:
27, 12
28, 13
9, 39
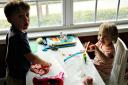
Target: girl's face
104, 38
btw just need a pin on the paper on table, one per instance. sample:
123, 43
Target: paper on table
55, 69
75, 66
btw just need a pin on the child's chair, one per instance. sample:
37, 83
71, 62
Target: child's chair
119, 64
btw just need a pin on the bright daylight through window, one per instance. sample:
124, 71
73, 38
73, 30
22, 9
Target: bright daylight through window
50, 13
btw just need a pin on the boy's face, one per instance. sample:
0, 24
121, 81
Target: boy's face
20, 20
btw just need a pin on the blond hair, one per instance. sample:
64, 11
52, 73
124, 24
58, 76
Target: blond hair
110, 29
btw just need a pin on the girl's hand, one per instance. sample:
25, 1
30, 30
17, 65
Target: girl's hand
96, 48
89, 46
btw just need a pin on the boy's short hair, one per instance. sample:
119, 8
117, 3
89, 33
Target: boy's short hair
110, 29
15, 7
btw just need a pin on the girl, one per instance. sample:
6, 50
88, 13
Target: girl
104, 49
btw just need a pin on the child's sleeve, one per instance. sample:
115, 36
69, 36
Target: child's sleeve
24, 45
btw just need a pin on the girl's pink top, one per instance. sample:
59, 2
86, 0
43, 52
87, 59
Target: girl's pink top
104, 68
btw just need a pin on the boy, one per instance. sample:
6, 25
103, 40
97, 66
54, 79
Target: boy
19, 56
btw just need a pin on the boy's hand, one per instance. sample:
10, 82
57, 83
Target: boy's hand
45, 64
39, 69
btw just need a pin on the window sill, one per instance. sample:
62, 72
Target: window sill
76, 31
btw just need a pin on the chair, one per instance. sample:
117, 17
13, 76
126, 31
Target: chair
119, 64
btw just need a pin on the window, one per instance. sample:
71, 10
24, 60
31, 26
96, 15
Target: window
94, 11
83, 11
106, 10
3, 22
45, 13
123, 10
71, 13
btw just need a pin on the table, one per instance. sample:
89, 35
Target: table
75, 68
